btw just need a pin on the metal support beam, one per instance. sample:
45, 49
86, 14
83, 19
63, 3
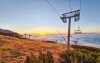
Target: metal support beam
68, 16
69, 28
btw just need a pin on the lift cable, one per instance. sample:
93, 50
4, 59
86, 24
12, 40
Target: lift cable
70, 5
61, 35
80, 10
80, 4
59, 16
52, 7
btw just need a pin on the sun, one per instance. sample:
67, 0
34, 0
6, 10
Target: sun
43, 33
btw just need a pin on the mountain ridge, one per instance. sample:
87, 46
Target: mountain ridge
9, 33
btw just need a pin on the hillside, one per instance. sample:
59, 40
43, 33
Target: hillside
9, 33
14, 50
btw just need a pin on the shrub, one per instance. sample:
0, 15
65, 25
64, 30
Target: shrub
42, 58
50, 57
98, 59
82, 54
76, 57
31, 59
28, 60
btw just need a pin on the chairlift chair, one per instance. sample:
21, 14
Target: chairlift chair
78, 31
75, 42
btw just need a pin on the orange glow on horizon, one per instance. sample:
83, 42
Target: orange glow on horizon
49, 31
39, 32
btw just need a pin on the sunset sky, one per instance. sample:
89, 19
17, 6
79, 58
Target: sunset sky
36, 16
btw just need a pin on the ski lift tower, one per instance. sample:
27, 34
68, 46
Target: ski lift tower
68, 16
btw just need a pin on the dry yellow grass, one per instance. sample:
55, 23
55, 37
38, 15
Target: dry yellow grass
14, 50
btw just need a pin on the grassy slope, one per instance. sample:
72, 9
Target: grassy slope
14, 50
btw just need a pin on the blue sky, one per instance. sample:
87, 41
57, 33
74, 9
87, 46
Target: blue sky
32, 16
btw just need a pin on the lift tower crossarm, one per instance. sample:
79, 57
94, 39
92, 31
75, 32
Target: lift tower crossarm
72, 12
67, 16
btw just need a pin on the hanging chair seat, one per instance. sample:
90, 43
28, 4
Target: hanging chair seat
78, 32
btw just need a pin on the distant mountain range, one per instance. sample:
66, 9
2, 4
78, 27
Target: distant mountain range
9, 33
